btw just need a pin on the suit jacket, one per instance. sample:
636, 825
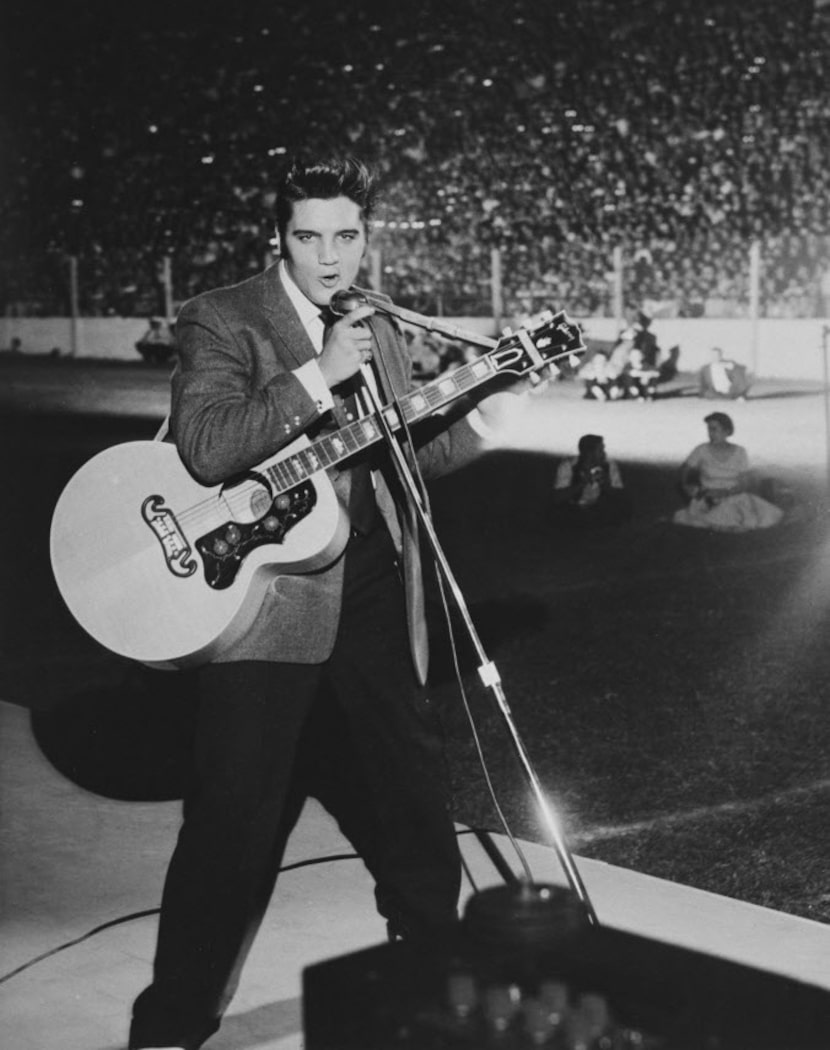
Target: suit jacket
235, 402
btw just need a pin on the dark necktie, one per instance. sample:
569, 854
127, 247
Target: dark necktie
362, 507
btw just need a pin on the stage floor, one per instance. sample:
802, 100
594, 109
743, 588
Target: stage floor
71, 861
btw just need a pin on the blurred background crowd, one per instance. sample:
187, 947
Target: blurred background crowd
677, 131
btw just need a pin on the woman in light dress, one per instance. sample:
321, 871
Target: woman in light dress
717, 479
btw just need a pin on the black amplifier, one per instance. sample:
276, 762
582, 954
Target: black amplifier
525, 969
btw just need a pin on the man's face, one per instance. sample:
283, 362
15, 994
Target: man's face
324, 243
596, 455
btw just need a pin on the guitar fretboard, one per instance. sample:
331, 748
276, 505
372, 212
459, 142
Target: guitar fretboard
353, 438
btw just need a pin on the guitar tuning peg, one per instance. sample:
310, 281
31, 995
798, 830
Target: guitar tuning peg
507, 331
543, 376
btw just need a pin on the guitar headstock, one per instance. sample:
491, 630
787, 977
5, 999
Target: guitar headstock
540, 342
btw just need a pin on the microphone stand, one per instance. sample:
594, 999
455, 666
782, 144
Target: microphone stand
358, 296
487, 670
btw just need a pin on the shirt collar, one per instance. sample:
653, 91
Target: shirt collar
308, 311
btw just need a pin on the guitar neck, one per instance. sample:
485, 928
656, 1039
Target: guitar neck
416, 405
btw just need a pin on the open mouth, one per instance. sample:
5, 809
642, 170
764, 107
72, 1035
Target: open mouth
330, 280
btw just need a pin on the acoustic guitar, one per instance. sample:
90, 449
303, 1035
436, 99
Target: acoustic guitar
169, 572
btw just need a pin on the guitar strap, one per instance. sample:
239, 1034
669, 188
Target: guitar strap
163, 430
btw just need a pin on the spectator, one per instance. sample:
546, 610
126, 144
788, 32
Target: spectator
716, 480
673, 148
157, 344
588, 489
723, 378
604, 373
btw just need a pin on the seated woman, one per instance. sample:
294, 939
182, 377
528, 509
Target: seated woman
716, 478
588, 490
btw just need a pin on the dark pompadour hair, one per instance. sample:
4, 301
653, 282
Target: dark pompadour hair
589, 443
325, 179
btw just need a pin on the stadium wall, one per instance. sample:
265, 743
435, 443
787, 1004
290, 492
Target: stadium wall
786, 349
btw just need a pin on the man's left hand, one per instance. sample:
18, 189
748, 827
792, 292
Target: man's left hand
502, 410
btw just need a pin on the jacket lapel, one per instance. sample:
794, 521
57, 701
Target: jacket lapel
288, 332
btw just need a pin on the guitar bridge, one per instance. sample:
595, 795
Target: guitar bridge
225, 548
178, 553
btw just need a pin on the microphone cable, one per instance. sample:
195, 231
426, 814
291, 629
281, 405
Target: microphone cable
480, 834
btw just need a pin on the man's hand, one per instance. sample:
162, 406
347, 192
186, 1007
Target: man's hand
504, 408
348, 346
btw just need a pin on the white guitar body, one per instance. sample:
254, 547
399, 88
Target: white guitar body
128, 567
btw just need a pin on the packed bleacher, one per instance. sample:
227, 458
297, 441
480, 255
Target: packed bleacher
677, 131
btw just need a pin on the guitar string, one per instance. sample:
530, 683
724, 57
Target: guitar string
462, 379
243, 493
355, 437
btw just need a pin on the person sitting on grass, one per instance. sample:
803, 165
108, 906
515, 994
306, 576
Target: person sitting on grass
588, 490
723, 378
716, 479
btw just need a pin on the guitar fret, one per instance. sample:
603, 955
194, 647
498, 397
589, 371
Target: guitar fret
351, 438
283, 476
308, 459
323, 453
414, 405
434, 397
370, 429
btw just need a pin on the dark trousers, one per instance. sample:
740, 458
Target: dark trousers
357, 732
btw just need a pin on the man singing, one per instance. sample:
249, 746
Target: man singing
261, 363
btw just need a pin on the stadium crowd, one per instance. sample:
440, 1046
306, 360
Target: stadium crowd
553, 132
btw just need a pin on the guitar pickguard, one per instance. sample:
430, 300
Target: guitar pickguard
225, 548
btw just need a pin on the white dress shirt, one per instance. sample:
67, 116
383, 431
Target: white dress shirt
309, 374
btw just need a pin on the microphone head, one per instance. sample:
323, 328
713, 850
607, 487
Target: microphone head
346, 300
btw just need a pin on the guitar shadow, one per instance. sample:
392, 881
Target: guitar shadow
130, 737
129, 740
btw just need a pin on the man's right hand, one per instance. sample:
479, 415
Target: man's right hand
348, 345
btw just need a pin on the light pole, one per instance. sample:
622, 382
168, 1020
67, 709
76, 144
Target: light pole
824, 334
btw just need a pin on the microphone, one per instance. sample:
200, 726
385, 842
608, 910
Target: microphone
346, 300
341, 304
